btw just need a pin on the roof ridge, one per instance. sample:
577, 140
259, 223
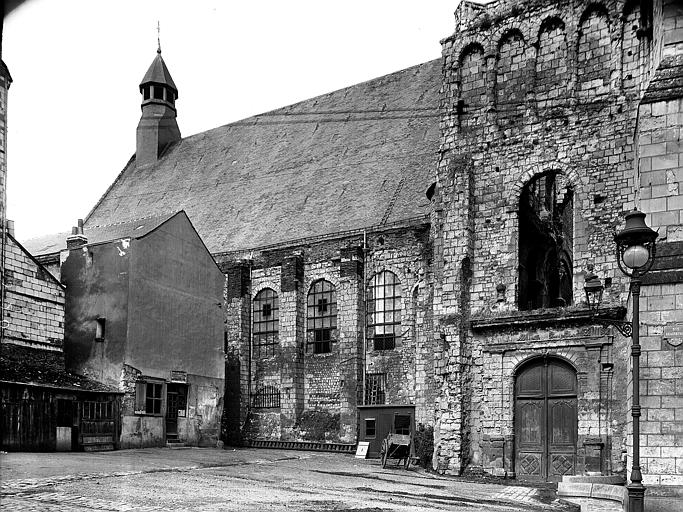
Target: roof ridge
159, 215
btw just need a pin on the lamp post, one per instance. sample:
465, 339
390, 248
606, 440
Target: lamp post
635, 255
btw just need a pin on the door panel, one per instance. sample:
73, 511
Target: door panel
546, 421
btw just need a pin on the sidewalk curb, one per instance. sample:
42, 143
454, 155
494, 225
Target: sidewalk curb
571, 507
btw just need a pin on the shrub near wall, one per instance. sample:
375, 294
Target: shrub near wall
319, 426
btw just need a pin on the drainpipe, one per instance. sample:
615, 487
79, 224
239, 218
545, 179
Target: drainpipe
365, 316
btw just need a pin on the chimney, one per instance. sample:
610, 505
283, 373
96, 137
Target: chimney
9, 226
77, 238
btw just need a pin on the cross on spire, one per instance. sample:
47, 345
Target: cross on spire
158, 37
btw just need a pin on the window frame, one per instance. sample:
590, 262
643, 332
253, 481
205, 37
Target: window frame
267, 396
381, 380
321, 317
395, 429
391, 308
142, 397
374, 428
265, 334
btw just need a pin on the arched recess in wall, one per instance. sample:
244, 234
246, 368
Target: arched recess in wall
472, 80
594, 52
551, 77
266, 323
511, 73
631, 68
321, 321
546, 419
546, 232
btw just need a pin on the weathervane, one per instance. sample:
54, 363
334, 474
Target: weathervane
158, 37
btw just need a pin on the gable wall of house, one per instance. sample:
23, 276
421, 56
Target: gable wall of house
34, 302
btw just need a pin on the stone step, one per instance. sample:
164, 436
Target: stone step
615, 493
595, 479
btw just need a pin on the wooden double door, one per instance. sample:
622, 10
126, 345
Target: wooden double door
546, 420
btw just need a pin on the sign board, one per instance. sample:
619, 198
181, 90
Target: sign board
178, 376
362, 450
673, 333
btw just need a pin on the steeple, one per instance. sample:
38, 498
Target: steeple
157, 127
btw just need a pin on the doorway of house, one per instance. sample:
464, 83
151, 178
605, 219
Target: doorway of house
546, 420
176, 405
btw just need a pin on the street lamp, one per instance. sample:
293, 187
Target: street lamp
635, 255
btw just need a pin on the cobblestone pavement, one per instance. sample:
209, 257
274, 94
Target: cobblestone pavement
250, 480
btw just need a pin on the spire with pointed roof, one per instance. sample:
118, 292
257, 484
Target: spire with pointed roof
158, 127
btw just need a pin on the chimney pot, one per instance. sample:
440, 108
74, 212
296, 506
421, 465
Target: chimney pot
10, 227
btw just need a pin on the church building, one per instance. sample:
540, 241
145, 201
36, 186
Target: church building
411, 253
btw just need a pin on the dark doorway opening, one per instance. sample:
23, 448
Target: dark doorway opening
176, 406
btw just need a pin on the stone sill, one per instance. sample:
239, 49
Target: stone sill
543, 317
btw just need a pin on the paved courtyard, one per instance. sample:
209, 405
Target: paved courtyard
204, 479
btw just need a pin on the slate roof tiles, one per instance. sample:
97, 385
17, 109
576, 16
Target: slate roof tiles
350, 159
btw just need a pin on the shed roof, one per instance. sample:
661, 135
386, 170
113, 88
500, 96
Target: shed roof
20, 371
350, 159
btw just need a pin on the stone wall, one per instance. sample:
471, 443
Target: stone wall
324, 389
661, 385
531, 89
5, 81
34, 301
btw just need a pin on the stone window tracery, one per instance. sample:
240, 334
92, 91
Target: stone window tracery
545, 242
322, 316
384, 310
266, 323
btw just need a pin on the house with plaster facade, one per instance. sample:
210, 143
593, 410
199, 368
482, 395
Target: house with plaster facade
143, 314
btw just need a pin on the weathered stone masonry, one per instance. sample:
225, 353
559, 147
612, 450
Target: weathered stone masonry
317, 386
533, 89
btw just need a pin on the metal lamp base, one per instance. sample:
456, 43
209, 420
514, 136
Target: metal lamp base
636, 497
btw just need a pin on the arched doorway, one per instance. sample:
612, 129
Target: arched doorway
546, 420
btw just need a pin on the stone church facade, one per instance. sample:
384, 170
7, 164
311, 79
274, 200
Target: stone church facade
555, 124
420, 242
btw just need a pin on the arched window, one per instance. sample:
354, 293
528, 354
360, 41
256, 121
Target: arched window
322, 316
266, 323
545, 242
384, 310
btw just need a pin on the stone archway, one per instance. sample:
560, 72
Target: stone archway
546, 420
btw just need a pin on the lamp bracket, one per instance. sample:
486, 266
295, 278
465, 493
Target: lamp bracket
624, 327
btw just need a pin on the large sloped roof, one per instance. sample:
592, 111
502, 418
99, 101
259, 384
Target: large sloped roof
132, 228
350, 159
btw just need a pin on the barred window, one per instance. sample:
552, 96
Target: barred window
98, 410
375, 388
384, 310
267, 397
266, 323
322, 316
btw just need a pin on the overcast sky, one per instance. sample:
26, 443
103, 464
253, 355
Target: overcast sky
74, 104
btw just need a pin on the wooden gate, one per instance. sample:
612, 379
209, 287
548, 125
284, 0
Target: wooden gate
28, 419
546, 420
